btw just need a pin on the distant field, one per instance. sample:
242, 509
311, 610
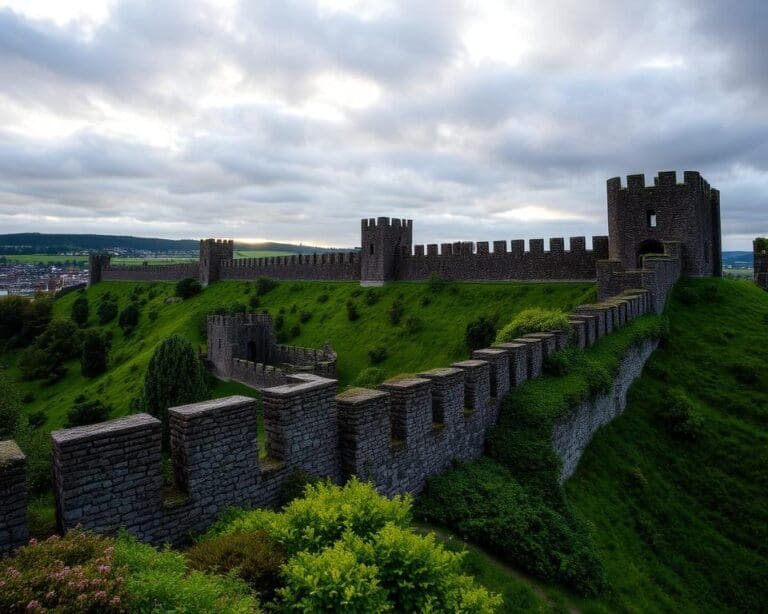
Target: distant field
261, 253
83, 260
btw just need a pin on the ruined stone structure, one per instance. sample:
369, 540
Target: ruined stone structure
242, 347
760, 251
646, 223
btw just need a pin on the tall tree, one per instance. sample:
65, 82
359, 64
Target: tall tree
93, 360
80, 311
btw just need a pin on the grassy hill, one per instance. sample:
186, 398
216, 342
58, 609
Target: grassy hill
681, 524
430, 333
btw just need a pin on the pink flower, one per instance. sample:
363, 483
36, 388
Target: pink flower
104, 568
115, 600
13, 573
50, 594
33, 605
100, 594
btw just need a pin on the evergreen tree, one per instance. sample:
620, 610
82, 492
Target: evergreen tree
106, 310
80, 311
174, 377
129, 318
93, 361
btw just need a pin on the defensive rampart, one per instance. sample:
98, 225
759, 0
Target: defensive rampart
108, 476
150, 272
341, 266
477, 261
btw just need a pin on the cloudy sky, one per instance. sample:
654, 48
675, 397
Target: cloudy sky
290, 120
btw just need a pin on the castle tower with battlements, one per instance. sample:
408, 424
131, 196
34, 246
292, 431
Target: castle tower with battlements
384, 241
212, 252
642, 218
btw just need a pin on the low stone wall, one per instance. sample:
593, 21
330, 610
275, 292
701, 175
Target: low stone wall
572, 433
325, 267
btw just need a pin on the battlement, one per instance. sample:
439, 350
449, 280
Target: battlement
664, 179
371, 224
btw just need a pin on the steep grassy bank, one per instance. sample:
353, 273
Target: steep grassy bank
429, 333
681, 514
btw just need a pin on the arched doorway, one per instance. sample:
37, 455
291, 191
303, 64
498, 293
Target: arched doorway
649, 246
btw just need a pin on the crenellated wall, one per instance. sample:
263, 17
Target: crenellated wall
342, 266
108, 476
149, 272
477, 261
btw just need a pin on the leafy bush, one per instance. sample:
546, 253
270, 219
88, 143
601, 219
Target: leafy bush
10, 408
187, 288
252, 556
371, 296
265, 285
479, 333
369, 378
60, 341
254, 302
174, 377
562, 362
377, 355
93, 360
159, 581
279, 322
484, 502
396, 311
533, 321
352, 313
305, 316
680, 416
76, 573
425, 300
295, 331
129, 318
87, 412
23, 319
80, 311
37, 419
106, 310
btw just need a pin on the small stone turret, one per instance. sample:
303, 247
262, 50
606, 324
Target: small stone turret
760, 250
212, 252
383, 242
642, 218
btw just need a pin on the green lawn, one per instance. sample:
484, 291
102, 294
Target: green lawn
436, 336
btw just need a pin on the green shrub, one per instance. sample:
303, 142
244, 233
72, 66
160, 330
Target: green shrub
37, 419
352, 313
333, 580
23, 319
252, 556
254, 302
371, 296
264, 285
93, 359
479, 333
279, 322
484, 502
295, 331
396, 311
87, 412
369, 377
129, 318
80, 311
76, 573
10, 408
377, 355
533, 321
562, 362
174, 377
680, 416
425, 300
187, 288
106, 310
305, 316
60, 341
159, 581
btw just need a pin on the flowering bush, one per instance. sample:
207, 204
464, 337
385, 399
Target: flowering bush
76, 573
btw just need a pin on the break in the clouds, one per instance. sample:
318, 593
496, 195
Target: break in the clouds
292, 120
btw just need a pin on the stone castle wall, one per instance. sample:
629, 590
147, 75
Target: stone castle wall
313, 267
761, 263
150, 272
477, 261
108, 475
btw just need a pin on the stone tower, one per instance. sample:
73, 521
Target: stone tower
96, 263
641, 218
760, 247
382, 243
212, 252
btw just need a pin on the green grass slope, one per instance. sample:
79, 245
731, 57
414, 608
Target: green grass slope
433, 337
682, 525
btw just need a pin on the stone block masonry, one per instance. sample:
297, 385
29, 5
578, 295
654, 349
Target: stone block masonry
108, 476
13, 497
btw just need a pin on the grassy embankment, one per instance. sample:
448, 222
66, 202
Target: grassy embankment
436, 339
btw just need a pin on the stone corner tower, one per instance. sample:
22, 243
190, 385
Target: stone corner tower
641, 218
383, 244
212, 252
96, 264
760, 251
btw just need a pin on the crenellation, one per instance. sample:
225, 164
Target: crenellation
534, 353
498, 359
